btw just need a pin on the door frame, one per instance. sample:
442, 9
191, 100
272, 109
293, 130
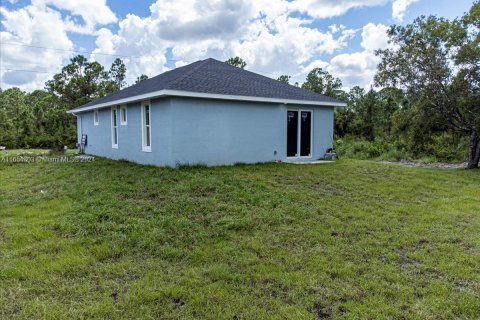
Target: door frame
299, 133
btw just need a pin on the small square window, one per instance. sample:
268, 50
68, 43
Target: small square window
123, 115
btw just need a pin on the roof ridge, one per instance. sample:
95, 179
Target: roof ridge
154, 77
280, 83
186, 74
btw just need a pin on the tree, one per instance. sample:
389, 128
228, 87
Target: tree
361, 113
80, 82
320, 81
36, 119
284, 78
343, 117
53, 127
141, 78
237, 62
117, 73
13, 114
437, 62
465, 41
35, 101
368, 113
389, 101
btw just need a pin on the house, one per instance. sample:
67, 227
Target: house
208, 112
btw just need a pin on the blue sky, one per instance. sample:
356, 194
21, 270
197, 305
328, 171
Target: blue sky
275, 37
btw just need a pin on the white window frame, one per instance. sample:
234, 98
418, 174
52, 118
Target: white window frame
123, 108
146, 148
299, 134
114, 127
95, 117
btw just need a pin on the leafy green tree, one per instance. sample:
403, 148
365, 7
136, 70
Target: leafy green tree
35, 119
39, 110
54, 128
237, 62
413, 127
284, 78
117, 73
12, 109
141, 78
390, 100
320, 81
367, 114
343, 117
437, 62
6, 126
80, 82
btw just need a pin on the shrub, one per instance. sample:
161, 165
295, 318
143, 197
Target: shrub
449, 147
443, 147
358, 148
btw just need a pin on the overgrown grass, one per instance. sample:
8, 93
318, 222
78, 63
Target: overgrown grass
442, 148
353, 239
32, 152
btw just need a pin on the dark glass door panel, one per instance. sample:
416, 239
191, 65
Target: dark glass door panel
305, 133
292, 133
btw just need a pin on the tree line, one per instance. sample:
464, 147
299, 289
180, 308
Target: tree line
424, 103
39, 119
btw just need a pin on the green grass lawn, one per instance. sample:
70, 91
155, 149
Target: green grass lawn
353, 240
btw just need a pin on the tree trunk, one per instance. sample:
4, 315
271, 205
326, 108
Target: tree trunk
474, 155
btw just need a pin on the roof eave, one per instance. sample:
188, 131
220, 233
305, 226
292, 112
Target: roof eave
190, 94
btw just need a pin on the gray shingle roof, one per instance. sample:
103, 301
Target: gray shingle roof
215, 77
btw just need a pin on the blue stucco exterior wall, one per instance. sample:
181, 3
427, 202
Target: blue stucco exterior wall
203, 131
99, 137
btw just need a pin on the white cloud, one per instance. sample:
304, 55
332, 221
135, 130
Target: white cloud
136, 39
399, 8
354, 69
261, 32
330, 8
374, 36
36, 27
28, 31
269, 34
202, 19
359, 68
92, 12
291, 45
